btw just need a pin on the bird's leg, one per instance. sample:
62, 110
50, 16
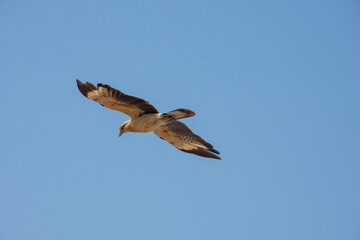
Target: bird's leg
167, 117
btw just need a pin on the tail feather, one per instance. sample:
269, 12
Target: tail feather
180, 113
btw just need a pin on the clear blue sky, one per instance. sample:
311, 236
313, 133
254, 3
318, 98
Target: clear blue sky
276, 89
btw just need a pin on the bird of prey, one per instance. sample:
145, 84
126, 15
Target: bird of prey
145, 118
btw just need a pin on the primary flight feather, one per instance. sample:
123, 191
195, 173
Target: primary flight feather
146, 118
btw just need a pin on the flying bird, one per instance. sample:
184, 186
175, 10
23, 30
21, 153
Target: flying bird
146, 118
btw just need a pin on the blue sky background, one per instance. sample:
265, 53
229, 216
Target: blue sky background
275, 85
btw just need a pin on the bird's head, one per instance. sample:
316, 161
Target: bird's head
124, 128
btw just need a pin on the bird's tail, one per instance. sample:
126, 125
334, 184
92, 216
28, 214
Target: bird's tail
179, 113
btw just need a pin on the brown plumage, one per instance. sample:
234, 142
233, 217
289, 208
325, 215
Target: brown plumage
181, 137
146, 118
114, 99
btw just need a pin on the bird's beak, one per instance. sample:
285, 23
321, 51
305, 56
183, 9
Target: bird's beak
120, 133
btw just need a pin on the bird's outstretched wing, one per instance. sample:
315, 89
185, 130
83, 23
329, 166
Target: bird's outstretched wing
179, 135
114, 99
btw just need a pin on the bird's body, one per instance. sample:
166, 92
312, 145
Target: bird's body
146, 123
146, 118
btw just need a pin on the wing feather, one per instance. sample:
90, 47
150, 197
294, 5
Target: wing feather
114, 99
181, 137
